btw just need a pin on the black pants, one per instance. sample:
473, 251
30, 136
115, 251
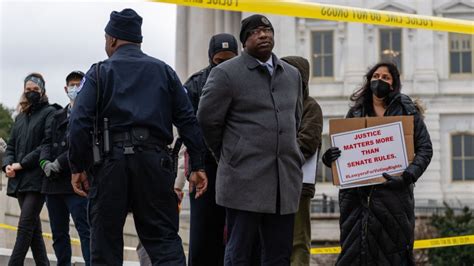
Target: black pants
206, 236
247, 230
139, 182
29, 230
60, 206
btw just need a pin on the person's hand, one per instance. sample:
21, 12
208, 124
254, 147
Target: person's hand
17, 166
331, 155
198, 180
47, 168
396, 182
180, 194
55, 167
80, 184
3, 145
9, 172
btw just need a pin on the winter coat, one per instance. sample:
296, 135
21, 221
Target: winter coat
55, 147
377, 223
309, 133
24, 147
194, 86
250, 121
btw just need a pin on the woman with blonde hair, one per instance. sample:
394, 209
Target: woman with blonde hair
21, 165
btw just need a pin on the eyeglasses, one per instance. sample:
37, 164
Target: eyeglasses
257, 31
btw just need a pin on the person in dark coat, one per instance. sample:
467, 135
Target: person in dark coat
309, 140
377, 222
142, 98
21, 165
61, 200
250, 112
206, 236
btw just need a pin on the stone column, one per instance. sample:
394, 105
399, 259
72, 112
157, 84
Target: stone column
181, 56
355, 61
425, 77
200, 29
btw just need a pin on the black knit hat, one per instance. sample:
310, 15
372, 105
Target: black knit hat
251, 23
222, 42
125, 25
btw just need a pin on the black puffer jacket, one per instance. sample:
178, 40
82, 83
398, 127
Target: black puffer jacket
377, 223
54, 147
24, 147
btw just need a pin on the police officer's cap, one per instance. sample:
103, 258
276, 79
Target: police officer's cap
125, 25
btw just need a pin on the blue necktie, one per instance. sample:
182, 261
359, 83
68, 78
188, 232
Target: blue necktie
269, 67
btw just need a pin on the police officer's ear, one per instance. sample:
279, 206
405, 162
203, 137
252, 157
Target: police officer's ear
113, 41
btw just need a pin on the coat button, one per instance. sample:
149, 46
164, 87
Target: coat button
63, 143
273, 90
55, 145
280, 132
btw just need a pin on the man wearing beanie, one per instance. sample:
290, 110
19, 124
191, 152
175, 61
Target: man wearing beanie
134, 99
250, 112
206, 237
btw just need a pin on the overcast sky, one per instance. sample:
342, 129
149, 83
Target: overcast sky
56, 37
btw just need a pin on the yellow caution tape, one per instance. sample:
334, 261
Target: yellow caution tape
330, 250
419, 244
444, 242
333, 12
74, 241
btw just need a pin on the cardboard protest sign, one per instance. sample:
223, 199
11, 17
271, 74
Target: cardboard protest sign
369, 147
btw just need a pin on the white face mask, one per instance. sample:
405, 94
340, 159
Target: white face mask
72, 92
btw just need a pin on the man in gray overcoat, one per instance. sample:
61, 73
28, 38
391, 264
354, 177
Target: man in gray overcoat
250, 111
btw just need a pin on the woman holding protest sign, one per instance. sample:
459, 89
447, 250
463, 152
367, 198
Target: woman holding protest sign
377, 222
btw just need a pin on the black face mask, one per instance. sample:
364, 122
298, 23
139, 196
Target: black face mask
380, 88
33, 97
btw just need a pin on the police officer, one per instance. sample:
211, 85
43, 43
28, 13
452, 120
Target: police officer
142, 98
206, 236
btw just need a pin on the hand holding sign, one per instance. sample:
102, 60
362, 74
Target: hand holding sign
331, 155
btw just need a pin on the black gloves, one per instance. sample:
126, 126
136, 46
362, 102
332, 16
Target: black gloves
331, 155
397, 182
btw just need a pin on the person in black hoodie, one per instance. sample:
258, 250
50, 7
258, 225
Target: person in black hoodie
21, 166
377, 222
61, 200
206, 239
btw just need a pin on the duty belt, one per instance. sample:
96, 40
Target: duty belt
139, 138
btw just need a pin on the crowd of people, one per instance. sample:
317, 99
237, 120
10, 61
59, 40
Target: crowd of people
248, 125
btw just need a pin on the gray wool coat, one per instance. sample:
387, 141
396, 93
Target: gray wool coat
250, 121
